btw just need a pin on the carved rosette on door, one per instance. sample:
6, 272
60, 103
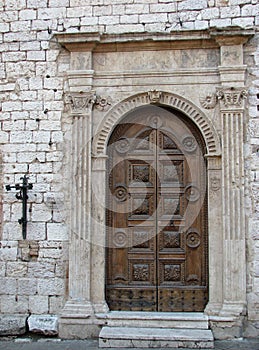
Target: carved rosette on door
156, 258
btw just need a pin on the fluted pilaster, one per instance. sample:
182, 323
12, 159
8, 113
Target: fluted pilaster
232, 111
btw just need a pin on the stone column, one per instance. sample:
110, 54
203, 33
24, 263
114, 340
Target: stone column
98, 233
234, 249
78, 309
215, 249
231, 97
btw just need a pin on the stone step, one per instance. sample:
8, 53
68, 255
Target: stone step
132, 337
195, 320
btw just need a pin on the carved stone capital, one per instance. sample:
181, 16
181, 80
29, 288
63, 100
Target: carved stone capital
80, 102
231, 98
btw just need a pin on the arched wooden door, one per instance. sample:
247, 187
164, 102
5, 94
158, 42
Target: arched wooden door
156, 255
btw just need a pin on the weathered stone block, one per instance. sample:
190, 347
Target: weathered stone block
55, 286
12, 324
79, 11
233, 11
2, 269
27, 286
11, 106
56, 303
36, 56
57, 232
137, 8
54, 12
8, 285
16, 269
40, 212
36, 231
38, 304
243, 22
192, 4
8, 251
27, 14
44, 324
41, 269
35, 4
20, 26
13, 304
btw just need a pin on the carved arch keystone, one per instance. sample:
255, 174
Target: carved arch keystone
165, 98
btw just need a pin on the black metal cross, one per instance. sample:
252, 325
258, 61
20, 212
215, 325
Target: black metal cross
22, 195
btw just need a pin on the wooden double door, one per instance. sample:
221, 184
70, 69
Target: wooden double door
156, 255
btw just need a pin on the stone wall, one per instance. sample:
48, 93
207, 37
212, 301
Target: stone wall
33, 66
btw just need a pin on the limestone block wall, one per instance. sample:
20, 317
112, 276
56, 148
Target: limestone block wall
33, 66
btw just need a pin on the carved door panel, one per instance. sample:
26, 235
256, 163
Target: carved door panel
156, 242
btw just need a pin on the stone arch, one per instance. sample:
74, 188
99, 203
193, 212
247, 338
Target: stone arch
160, 98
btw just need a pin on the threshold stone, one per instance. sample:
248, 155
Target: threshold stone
131, 337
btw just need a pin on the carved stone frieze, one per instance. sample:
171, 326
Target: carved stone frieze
230, 98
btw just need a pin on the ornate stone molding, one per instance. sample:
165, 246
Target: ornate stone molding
164, 98
231, 98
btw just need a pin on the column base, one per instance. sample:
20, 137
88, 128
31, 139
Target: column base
100, 307
76, 321
213, 309
229, 322
234, 309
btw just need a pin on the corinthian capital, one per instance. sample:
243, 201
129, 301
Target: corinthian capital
80, 102
231, 98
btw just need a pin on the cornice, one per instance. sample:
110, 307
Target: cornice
208, 38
